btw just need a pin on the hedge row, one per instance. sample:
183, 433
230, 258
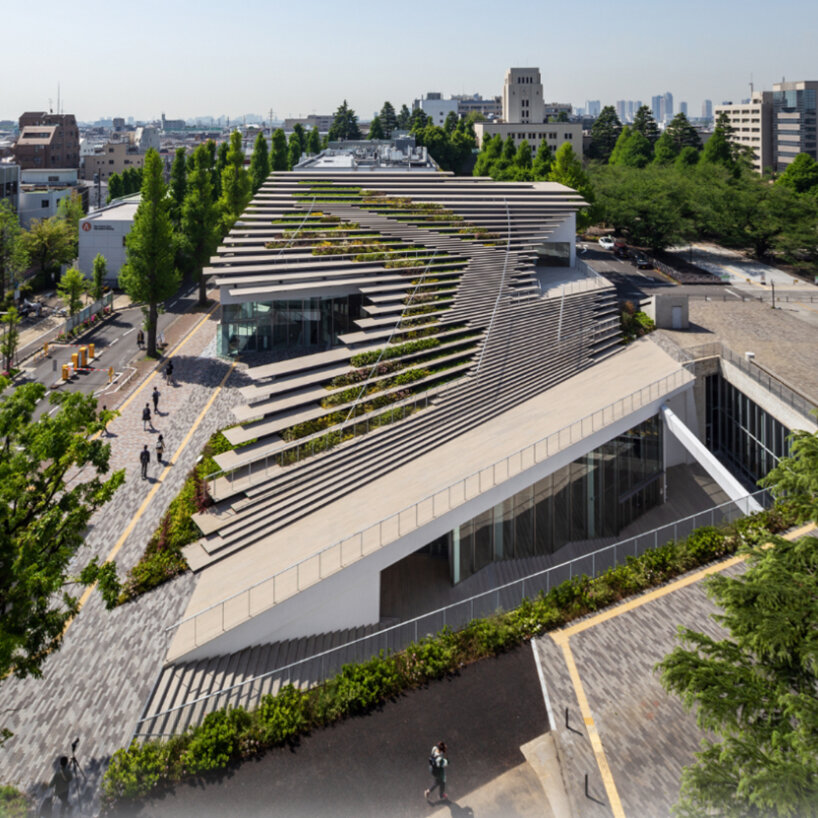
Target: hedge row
226, 736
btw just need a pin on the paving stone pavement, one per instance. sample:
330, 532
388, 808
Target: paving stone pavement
95, 686
646, 734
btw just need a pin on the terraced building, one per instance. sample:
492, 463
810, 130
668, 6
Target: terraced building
444, 396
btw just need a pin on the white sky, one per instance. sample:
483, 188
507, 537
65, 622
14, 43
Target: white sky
248, 56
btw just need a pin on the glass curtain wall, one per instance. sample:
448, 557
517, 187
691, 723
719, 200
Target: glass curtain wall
595, 496
740, 432
310, 323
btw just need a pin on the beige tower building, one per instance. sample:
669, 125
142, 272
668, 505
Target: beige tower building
523, 96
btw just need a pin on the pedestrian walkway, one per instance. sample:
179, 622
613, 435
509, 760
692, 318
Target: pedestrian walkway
614, 721
95, 686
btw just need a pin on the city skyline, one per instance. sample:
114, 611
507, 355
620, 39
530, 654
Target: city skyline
243, 64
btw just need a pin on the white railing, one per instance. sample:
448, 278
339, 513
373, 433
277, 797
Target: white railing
226, 614
85, 313
326, 663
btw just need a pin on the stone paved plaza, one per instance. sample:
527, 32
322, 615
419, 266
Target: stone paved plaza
95, 687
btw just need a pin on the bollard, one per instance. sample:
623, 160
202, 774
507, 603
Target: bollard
110, 374
75, 360
66, 372
45, 349
84, 357
91, 351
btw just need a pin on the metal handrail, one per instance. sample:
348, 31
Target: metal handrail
674, 378
742, 503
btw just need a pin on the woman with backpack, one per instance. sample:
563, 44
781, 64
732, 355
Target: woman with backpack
437, 767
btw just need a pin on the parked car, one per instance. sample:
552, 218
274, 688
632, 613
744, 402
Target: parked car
606, 243
641, 261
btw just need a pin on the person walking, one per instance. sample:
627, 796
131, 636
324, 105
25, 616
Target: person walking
144, 459
105, 422
140, 339
146, 418
169, 372
437, 767
155, 395
60, 782
160, 448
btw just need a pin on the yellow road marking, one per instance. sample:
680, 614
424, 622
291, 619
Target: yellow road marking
563, 638
135, 519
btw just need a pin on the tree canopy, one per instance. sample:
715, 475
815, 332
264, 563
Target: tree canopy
344, 124
236, 184
200, 215
755, 689
43, 518
71, 288
178, 182
645, 124
260, 162
150, 275
49, 244
278, 157
13, 250
801, 175
388, 118
604, 133
376, 129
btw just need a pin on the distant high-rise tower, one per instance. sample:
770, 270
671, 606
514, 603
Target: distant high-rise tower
668, 112
622, 110
593, 107
707, 109
657, 106
683, 108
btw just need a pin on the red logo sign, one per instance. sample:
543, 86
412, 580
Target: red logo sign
86, 226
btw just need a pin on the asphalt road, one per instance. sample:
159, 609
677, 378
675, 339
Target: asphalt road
375, 765
115, 346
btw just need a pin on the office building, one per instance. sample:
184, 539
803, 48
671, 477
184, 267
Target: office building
668, 109
110, 158
593, 107
436, 107
793, 121
41, 191
10, 183
489, 107
104, 232
707, 110
657, 107
683, 108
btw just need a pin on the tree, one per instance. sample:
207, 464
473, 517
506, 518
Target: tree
567, 170
293, 152
687, 158
489, 155
795, 478
300, 134
236, 184
43, 518
717, 149
50, 243
376, 129
389, 121
279, 153
631, 149
10, 339
98, 275
682, 133
344, 124
13, 252
200, 216
418, 120
522, 158
665, 150
314, 142
260, 162
645, 124
69, 209
650, 205
403, 118
755, 689
451, 121
604, 133
178, 184
543, 160
131, 181
150, 275
115, 187
71, 288
801, 174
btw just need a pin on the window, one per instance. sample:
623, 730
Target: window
53, 178
43, 202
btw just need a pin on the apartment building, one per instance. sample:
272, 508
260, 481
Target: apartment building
752, 124
47, 141
112, 157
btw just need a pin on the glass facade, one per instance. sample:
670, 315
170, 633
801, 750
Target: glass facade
595, 496
741, 433
309, 323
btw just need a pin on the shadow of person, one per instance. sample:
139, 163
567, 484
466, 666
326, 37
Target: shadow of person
456, 809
